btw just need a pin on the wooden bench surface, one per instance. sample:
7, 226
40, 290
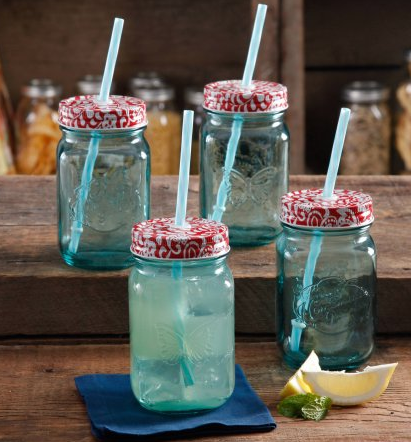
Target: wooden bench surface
61, 300
39, 402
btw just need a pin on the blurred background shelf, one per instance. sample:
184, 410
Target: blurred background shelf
190, 42
357, 40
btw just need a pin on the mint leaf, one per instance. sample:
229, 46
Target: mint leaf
307, 406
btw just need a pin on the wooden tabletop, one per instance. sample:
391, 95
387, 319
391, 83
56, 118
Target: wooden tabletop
58, 322
39, 402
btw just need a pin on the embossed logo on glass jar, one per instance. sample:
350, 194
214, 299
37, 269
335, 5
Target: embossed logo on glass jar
112, 198
333, 304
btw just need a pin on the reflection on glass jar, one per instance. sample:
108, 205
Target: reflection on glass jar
164, 128
181, 302
37, 129
333, 308
368, 140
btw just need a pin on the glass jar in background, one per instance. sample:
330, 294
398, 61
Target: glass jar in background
194, 100
259, 176
164, 129
181, 304
403, 124
331, 310
368, 141
37, 129
6, 130
118, 194
91, 84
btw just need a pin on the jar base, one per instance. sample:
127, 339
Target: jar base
252, 236
180, 408
329, 362
102, 260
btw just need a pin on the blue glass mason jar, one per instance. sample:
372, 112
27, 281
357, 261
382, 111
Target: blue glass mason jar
259, 175
326, 290
181, 304
95, 215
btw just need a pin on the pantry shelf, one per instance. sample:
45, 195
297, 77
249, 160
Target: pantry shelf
60, 300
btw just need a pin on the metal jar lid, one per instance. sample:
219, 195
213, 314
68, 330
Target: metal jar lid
158, 94
151, 87
194, 96
41, 88
91, 84
146, 80
365, 92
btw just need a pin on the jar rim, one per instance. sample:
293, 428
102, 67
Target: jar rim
326, 229
171, 260
244, 114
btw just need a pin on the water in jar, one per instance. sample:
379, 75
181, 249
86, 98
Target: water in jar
182, 338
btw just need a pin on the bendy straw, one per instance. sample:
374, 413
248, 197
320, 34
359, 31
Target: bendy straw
298, 324
87, 175
221, 200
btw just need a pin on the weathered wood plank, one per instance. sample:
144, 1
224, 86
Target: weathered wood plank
292, 75
377, 34
39, 294
38, 399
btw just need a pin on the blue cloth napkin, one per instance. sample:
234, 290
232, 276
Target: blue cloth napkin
115, 414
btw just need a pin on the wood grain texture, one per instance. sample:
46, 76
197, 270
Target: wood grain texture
39, 294
65, 41
39, 402
292, 75
360, 33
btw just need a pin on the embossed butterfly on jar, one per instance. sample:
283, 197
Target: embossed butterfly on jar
181, 304
260, 171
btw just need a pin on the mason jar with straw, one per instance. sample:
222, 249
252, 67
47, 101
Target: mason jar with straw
326, 260
244, 144
181, 304
103, 173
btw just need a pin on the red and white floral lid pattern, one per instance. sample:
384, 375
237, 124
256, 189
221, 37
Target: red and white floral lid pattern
160, 238
230, 96
87, 112
307, 208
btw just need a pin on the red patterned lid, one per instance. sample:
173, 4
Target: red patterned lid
87, 112
160, 238
230, 96
307, 208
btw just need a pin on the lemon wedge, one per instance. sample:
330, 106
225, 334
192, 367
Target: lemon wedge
295, 384
349, 388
